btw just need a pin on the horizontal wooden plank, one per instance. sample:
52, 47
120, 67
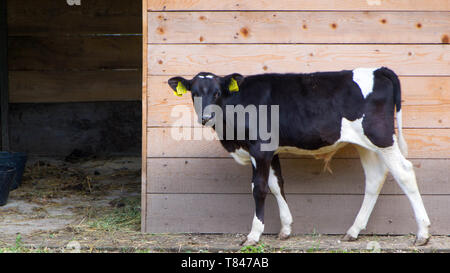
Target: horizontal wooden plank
326, 214
426, 116
44, 17
425, 102
425, 90
415, 91
160, 143
158, 5
415, 116
299, 27
302, 176
422, 143
74, 52
280, 58
74, 86
428, 143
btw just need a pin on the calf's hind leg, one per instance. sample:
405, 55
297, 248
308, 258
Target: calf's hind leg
276, 185
403, 172
375, 174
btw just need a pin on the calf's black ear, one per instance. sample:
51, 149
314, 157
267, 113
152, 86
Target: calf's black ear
179, 85
233, 81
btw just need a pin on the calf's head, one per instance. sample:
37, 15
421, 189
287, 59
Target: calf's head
208, 89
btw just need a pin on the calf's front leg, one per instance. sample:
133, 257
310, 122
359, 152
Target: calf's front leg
261, 167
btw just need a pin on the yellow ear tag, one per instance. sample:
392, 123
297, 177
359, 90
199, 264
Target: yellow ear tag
233, 87
181, 89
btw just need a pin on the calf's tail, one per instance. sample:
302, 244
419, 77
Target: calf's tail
398, 106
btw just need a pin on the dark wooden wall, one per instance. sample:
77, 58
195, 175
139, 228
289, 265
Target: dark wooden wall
75, 55
195, 186
62, 53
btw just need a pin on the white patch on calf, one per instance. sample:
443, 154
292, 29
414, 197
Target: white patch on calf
241, 156
257, 229
364, 78
298, 151
253, 161
401, 140
353, 132
285, 213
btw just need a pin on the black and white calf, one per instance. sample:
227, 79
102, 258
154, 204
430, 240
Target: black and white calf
318, 114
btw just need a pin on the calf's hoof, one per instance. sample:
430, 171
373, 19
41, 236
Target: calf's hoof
348, 238
248, 242
422, 241
283, 236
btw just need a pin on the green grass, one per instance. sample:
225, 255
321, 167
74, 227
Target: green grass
314, 248
142, 251
19, 248
261, 248
127, 217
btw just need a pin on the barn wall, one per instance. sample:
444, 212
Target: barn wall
195, 186
93, 128
68, 65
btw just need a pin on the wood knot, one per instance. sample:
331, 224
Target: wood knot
160, 62
419, 25
333, 25
304, 26
160, 30
201, 39
383, 21
265, 67
445, 39
244, 31
203, 18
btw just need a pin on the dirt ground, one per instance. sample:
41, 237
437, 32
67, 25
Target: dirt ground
93, 205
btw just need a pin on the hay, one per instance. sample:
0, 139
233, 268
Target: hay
100, 197
43, 181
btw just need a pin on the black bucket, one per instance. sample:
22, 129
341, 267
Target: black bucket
7, 174
18, 160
